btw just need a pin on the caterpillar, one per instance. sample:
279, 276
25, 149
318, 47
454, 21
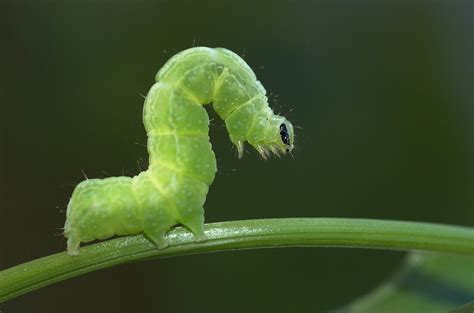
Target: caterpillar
182, 164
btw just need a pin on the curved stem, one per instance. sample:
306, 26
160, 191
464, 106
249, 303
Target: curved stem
248, 234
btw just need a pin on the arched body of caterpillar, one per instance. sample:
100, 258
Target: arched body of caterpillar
182, 164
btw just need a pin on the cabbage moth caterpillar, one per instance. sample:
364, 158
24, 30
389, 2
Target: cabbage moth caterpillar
182, 164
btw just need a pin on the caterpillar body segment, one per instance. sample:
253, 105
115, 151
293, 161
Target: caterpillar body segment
182, 164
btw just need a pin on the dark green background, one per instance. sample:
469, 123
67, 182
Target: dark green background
382, 91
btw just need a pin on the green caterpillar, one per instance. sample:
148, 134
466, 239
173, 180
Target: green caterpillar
182, 164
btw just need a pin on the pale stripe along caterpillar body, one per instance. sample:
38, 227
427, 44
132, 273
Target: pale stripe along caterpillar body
182, 164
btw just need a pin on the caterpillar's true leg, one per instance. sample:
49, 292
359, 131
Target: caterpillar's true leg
195, 223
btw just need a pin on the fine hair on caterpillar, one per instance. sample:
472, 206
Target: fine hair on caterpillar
182, 164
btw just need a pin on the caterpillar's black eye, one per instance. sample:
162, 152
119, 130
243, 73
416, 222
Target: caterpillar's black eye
285, 137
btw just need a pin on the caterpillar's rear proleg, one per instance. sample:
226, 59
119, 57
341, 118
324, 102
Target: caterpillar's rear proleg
73, 245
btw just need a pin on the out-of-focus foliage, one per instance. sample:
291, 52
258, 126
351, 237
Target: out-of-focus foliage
431, 283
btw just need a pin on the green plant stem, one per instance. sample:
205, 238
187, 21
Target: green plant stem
248, 234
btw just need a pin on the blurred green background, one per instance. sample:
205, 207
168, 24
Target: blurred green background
382, 92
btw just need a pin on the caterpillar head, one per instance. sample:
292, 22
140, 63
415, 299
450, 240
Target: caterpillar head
278, 139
